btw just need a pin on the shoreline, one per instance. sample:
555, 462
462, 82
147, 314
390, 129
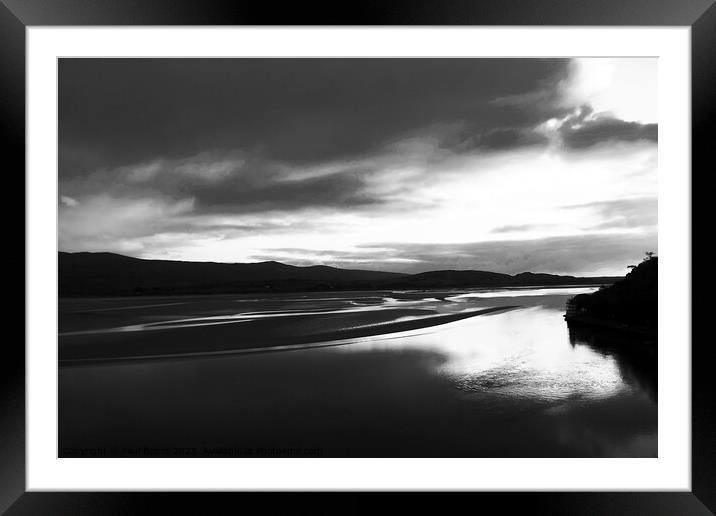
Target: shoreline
595, 322
187, 295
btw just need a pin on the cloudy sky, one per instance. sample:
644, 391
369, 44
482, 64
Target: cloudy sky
508, 165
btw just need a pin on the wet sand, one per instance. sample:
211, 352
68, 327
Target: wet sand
260, 334
126, 330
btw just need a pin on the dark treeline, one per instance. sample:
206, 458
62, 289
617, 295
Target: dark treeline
631, 301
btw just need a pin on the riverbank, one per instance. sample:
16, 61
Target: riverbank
594, 322
629, 305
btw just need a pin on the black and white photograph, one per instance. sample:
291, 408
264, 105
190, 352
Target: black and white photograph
357, 257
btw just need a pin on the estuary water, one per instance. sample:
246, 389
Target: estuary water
458, 373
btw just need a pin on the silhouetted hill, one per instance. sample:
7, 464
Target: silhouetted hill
93, 274
434, 279
114, 274
632, 301
457, 279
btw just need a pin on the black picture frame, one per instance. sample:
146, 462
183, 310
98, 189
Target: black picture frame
17, 15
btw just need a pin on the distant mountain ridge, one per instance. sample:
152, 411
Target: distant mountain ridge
108, 274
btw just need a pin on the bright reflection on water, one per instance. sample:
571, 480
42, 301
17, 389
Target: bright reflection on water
417, 375
518, 353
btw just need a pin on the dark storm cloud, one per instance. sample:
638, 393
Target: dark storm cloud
346, 189
503, 139
232, 182
580, 131
116, 112
558, 255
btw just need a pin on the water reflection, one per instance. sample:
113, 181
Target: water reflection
636, 357
511, 383
521, 353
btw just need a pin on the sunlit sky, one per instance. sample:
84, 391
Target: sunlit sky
408, 165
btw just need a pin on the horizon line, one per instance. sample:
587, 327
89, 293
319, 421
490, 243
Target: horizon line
339, 268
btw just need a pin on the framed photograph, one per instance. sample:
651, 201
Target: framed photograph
413, 249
